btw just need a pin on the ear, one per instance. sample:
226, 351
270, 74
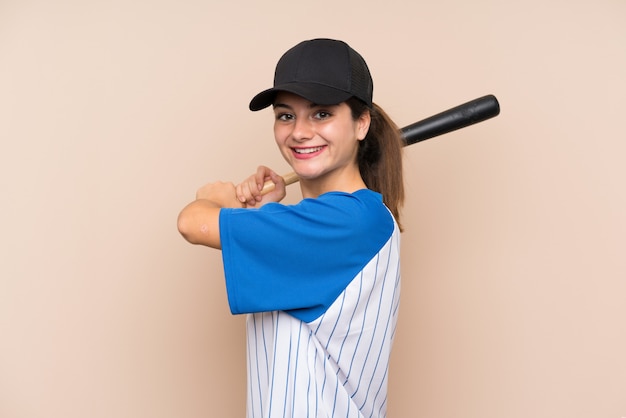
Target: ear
363, 125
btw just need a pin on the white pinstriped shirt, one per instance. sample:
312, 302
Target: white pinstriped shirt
336, 365
336, 362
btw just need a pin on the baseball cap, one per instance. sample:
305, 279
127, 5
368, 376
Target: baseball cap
323, 71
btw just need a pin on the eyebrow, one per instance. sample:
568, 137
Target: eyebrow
311, 105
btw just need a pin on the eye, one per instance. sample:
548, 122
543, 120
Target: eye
284, 116
322, 114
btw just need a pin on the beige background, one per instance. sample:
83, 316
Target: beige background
112, 113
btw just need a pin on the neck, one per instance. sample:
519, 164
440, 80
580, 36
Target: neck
347, 182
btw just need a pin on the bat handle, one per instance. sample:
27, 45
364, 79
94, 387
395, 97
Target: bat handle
269, 185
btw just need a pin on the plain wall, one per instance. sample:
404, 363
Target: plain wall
112, 114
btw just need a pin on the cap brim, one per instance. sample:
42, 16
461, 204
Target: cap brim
316, 93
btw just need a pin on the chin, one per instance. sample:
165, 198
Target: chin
306, 175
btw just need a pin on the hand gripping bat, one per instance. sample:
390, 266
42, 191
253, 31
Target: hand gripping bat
461, 116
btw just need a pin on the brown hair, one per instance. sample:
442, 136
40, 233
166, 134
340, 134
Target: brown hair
380, 156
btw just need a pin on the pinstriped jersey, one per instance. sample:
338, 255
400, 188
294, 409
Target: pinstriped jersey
321, 284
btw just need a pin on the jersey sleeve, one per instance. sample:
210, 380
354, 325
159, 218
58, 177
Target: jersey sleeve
299, 258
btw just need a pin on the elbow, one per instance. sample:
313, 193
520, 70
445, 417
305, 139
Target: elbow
187, 225
196, 228
183, 225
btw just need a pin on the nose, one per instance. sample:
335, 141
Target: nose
302, 130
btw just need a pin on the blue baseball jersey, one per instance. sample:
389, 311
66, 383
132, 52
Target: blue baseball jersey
320, 281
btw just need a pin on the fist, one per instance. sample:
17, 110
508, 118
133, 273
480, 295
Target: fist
251, 192
221, 193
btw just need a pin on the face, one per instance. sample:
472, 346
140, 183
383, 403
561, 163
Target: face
319, 142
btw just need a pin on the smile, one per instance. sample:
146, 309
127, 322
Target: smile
307, 150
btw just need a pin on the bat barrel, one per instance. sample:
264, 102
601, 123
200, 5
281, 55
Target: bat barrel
458, 117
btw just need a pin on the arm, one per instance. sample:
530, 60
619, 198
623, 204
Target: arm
198, 222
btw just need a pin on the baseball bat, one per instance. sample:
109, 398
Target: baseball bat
461, 116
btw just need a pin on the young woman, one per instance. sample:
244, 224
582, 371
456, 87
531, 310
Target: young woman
320, 279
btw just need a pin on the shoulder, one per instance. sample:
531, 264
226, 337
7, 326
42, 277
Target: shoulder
362, 201
363, 206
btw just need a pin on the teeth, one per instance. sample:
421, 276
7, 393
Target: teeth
307, 150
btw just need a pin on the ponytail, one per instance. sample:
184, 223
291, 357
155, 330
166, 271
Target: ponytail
380, 156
